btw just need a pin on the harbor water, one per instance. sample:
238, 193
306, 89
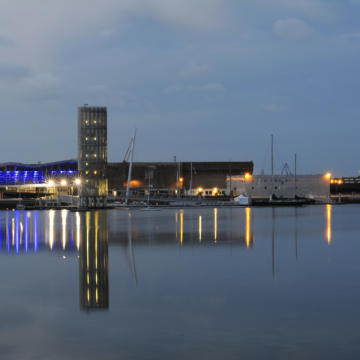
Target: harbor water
199, 283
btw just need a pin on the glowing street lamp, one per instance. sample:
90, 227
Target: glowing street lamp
78, 181
51, 183
63, 182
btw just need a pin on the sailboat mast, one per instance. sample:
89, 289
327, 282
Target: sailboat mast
130, 167
295, 178
272, 155
191, 170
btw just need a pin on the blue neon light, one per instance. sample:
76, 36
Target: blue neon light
17, 231
63, 172
26, 232
35, 231
21, 177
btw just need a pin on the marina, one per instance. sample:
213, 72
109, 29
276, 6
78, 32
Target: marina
178, 180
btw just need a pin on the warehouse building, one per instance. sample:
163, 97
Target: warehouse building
281, 186
172, 178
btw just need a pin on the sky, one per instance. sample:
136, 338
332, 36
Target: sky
202, 80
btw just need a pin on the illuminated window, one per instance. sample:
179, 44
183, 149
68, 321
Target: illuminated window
86, 172
95, 138
86, 138
87, 122
87, 155
95, 172
87, 164
94, 121
95, 155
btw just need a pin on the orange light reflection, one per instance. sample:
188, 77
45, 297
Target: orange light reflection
328, 225
248, 226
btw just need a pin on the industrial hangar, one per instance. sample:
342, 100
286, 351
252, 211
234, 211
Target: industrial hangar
187, 178
171, 178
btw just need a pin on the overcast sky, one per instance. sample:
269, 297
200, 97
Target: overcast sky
200, 79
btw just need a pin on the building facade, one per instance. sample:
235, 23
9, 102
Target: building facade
282, 186
92, 156
189, 178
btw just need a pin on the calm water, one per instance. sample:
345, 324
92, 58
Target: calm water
256, 283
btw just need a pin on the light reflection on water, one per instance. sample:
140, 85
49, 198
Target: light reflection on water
196, 275
328, 224
26, 231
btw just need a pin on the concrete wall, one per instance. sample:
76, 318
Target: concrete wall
317, 186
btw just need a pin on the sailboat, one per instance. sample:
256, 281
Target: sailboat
148, 207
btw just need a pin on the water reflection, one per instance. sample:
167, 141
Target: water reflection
200, 228
181, 226
25, 232
93, 263
273, 242
51, 228
248, 226
215, 223
328, 223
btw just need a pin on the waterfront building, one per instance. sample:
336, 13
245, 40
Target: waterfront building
207, 178
92, 156
282, 186
24, 174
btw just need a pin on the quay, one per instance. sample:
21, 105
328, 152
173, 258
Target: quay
140, 202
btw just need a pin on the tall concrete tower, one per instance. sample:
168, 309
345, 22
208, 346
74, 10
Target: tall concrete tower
92, 156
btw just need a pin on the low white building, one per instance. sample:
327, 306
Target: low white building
263, 186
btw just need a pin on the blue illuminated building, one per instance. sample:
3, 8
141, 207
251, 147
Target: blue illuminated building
23, 174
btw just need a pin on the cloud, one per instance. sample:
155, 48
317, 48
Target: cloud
210, 87
44, 32
355, 36
4, 41
273, 108
316, 9
173, 89
24, 85
8, 71
195, 70
293, 29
